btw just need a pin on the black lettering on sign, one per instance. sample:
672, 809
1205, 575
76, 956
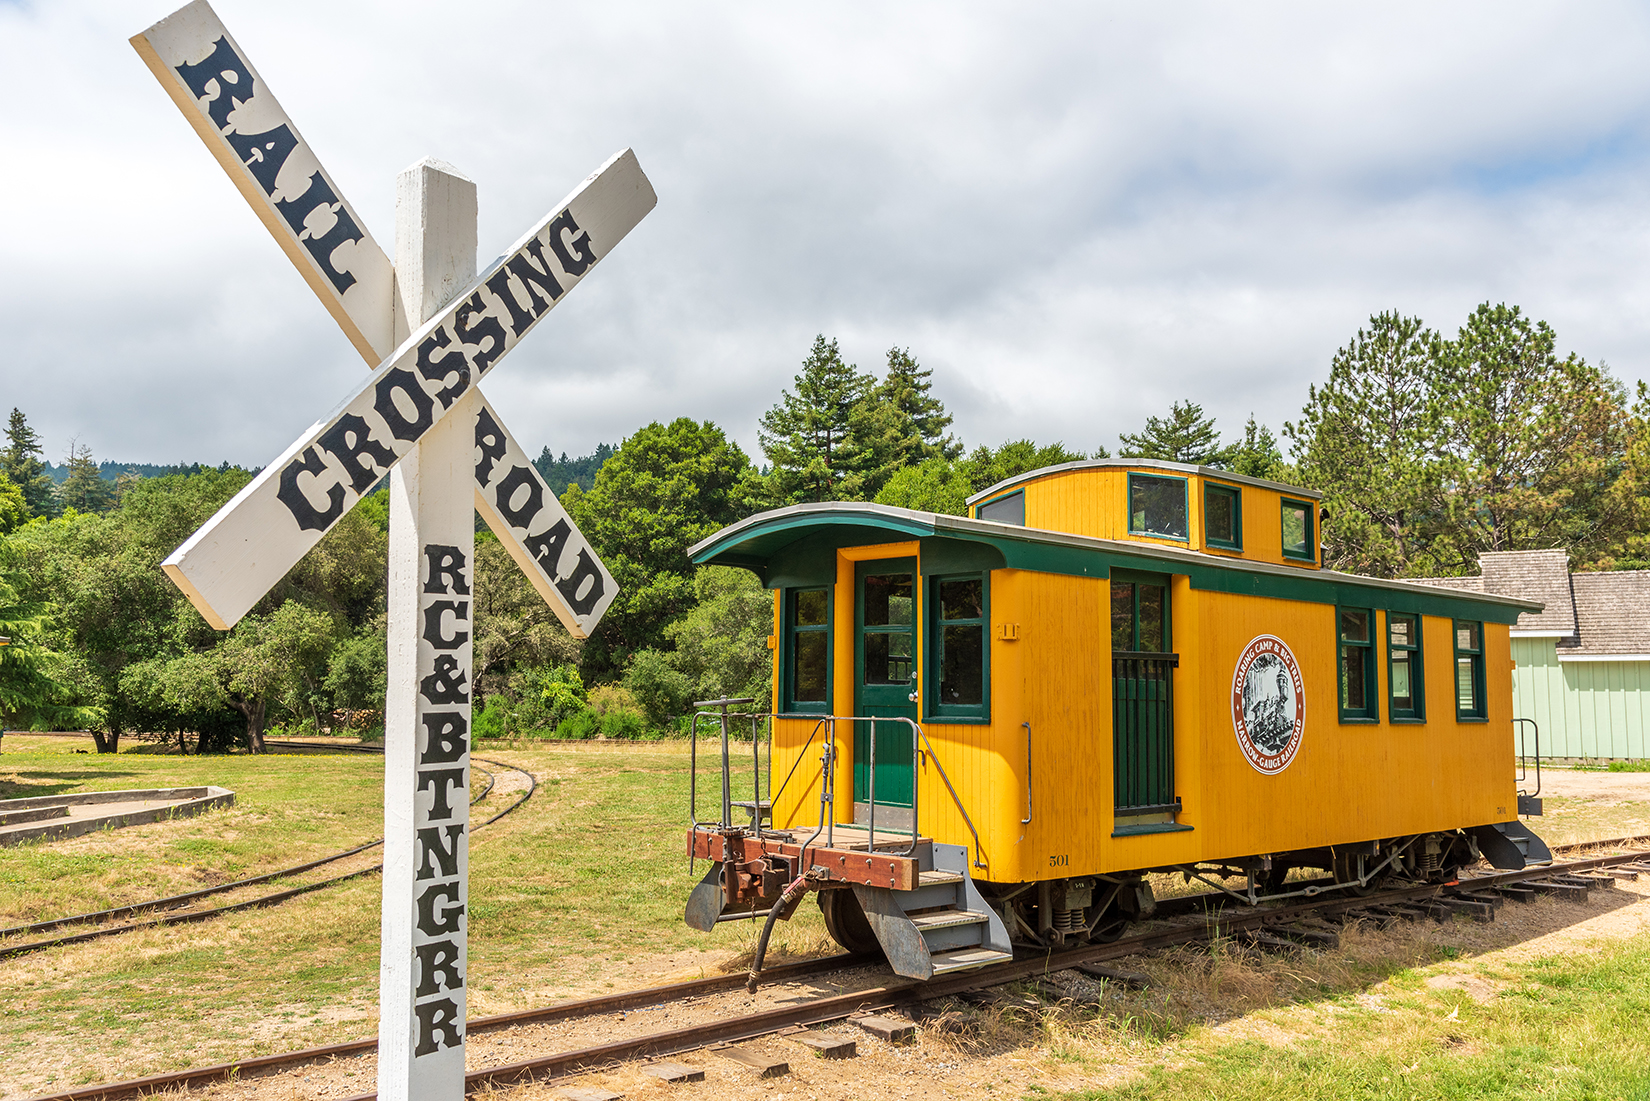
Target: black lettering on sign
447, 683
438, 1018
546, 547
429, 845
296, 211
350, 439
490, 439
265, 153
438, 370
438, 968
487, 328
423, 405
441, 779
578, 261
308, 516
432, 623
585, 571
499, 284
446, 566
436, 923
444, 737
505, 495
535, 273
223, 69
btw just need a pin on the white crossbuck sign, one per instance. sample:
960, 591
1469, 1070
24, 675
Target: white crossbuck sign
430, 328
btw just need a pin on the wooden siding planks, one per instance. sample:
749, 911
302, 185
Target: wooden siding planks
1596, 709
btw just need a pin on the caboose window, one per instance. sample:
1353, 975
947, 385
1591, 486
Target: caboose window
1406, 694
1157, 506
1010, 509
1357, 665
1222, 517
1297, 531
1139, 613
807, 646
1469, 670
957, 642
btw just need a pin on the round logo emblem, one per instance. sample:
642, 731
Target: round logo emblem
1268, 704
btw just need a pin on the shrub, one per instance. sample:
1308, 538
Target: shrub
606, 699
581, 724
493, 720
662, 690
623, 724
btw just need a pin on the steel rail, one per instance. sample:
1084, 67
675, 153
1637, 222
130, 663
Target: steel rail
888, 995
262, 901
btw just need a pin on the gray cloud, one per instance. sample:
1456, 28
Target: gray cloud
1075, 214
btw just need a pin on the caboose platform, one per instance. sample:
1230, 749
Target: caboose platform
915, 897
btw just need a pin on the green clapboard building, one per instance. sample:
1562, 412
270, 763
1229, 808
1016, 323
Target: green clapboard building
1583, 662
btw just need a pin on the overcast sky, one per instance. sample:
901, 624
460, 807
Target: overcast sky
1074, 214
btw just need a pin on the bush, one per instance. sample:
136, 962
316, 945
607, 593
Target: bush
662, 690
579, 725
492, 721
623, 724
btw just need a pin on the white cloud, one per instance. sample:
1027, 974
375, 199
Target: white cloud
1075, 214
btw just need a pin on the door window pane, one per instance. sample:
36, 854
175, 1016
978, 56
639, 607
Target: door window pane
962, 666
1157, 506
888, 657
888, 600
1151, 619
1122, 615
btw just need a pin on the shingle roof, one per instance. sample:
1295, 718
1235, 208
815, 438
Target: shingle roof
1613, 613
1542, 575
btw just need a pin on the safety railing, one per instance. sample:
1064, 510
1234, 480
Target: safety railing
922, 753
1529, 749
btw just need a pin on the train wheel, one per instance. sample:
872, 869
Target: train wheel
846, 922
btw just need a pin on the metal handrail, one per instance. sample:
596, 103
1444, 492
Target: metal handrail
969, 822
1523, 766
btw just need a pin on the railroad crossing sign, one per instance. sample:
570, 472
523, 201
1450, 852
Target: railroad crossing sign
430, 328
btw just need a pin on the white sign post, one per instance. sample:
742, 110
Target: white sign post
430, 329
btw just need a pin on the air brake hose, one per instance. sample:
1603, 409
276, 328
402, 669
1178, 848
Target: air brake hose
787, 899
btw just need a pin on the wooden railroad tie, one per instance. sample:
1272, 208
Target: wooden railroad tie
1134, 980
587, 1093
1603, 882
890, 1029
765, 1066
1629, 874
674, 1072
1304, 934
1517, 892
1569, 892
829, 1047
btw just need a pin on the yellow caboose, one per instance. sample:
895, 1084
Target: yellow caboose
991, 728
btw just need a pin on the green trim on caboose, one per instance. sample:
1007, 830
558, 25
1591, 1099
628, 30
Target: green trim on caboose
796, 545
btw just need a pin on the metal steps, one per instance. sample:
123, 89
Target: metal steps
943, 925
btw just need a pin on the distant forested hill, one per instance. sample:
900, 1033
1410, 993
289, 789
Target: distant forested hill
558, 473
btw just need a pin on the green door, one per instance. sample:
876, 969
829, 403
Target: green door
885, 676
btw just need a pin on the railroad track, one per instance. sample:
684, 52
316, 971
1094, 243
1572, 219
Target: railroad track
170, 905
1200, 919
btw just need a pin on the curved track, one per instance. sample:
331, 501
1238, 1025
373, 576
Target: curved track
890, 994
175, 902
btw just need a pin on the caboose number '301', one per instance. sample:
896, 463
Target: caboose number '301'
988, 730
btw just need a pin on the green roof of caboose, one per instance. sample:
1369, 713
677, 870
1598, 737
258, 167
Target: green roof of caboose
796, 545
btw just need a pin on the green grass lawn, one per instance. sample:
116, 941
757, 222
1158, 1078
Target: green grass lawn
580, 890
1561, 1027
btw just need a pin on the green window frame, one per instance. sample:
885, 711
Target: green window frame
805, 651
1215, 499
1355, 664
1158, 507
1010, 508
1405, 669
958, 669
1469, 671
1140, 613
1296, 519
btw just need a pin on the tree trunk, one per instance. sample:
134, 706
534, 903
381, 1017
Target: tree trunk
255, 725
106, 742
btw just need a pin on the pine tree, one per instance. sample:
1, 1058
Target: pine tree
1258, 455
20, 462
809, 438
1367, 439
899, 424
85, 489
1185, 436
